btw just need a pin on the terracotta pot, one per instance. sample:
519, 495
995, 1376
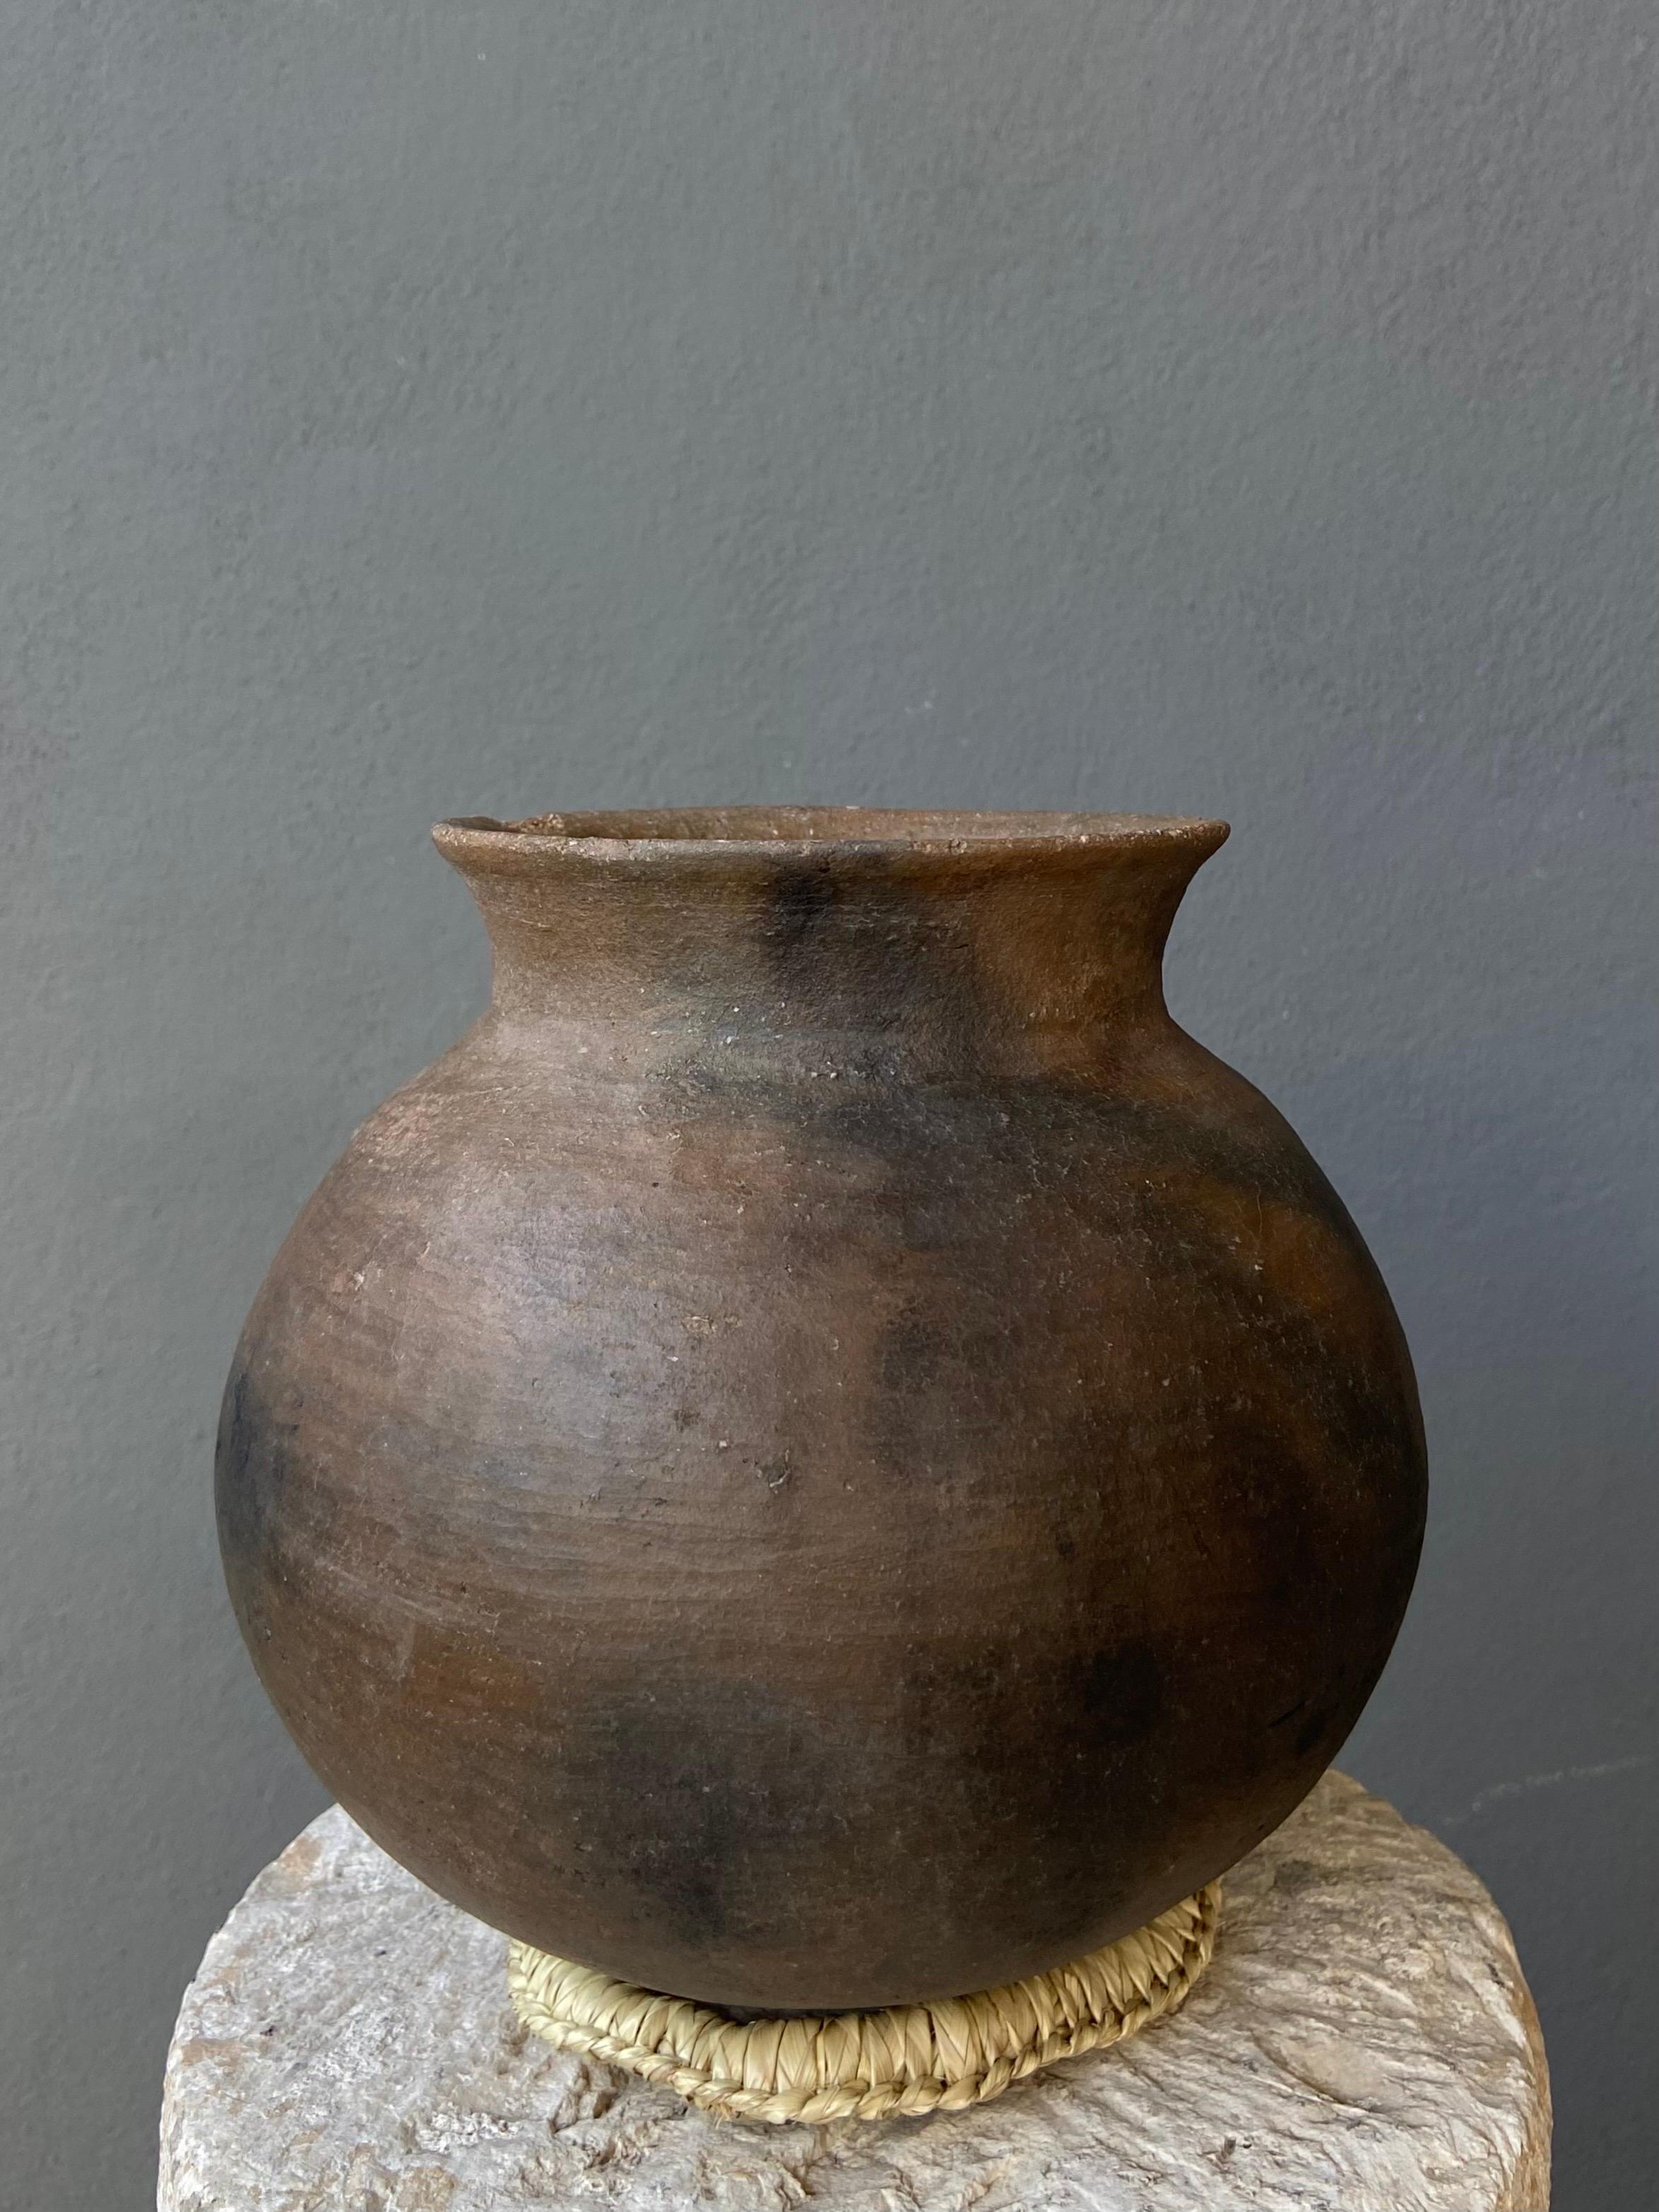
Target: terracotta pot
826, 1453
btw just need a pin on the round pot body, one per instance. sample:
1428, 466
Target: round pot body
827, 1453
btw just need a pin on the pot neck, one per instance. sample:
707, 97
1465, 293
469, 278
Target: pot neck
973, 942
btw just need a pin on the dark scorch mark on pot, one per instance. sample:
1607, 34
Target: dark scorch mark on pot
801, 898
702, 1802
251, 1467
873, 961
725, 1821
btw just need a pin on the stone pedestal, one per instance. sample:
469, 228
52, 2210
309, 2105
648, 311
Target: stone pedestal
1364, 2042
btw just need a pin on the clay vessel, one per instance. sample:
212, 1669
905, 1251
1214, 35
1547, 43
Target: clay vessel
827, 1453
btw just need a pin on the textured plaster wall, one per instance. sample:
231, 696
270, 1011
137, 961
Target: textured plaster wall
411, 408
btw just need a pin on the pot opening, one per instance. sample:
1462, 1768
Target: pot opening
897, 828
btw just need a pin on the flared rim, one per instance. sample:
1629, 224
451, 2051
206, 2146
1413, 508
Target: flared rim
728, 833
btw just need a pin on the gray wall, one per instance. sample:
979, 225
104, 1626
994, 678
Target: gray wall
412, 407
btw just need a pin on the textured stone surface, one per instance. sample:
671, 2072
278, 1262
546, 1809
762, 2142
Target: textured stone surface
1364, 2042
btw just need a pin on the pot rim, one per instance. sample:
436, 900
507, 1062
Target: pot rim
727, 833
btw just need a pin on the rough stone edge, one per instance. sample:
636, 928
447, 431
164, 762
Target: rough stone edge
1529, 2189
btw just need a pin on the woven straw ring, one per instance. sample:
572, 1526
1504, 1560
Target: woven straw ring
865, 2065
